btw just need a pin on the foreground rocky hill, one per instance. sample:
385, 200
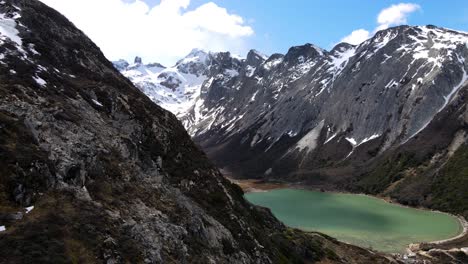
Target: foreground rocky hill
91, 171
388, 116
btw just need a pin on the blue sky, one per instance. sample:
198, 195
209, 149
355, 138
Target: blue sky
280, 24
166, 30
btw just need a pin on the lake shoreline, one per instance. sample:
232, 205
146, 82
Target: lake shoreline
256, 185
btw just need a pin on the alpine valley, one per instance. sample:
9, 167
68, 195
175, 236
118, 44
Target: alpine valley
387, 117
95, 169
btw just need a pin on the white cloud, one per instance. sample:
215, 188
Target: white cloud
356, 37
391, 16
162, 33
395, 15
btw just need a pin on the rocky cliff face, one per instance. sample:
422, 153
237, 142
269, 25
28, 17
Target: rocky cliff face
108, 176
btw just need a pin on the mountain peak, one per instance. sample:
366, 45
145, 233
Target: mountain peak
195, 56
197, 53
255, 58
303, 52
121, 64
138, 60
197, 50
342, 47
254, 52
156, 64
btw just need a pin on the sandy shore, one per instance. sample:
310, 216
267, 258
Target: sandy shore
255, 185
459, 241
252, 185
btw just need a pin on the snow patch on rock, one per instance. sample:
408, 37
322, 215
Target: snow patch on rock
273, 63
309, 141
29, 209
40, 81
341, 59
8, 30
97, 102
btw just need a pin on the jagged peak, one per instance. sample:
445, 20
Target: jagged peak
305, 51
195, 56
196, 52
275, 56
342, 47
156, 64
138, 60
236, 56
255, 58
317, 48
225, 57
121, 64
254, 52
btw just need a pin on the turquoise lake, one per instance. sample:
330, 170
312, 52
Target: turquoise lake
357, 219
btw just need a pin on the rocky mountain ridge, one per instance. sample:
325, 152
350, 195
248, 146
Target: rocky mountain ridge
177, 88
312, 76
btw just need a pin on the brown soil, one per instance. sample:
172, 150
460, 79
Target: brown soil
252, 185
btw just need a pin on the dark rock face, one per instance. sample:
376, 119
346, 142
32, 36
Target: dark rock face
158, 65
112, 177
254, 58
138, 60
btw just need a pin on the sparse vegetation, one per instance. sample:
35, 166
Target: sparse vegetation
450, 187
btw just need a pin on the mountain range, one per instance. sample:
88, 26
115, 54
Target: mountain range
386, 117
93, 171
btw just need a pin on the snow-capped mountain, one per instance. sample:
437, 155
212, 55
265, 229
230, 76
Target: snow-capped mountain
175, 88
334, 118
387, 89
178, 88
355, 117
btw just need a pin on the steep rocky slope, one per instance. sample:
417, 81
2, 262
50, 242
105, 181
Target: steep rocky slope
108, 176
430, 169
